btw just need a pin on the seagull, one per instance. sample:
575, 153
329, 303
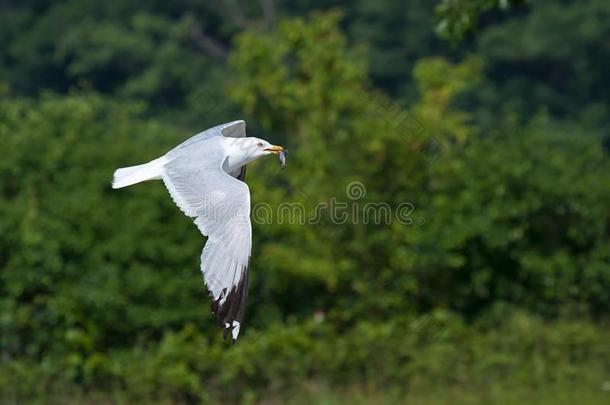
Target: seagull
205, 176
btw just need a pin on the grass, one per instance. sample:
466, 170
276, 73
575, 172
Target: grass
582, 392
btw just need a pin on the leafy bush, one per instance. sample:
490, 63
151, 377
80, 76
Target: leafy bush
497, 273
516, 216
407, 356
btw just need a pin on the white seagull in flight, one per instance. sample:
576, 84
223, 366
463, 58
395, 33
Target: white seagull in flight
205, 177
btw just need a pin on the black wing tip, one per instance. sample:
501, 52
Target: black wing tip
232, 310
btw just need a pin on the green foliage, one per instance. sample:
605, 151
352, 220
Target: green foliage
337, 127
411, 355
489, 273
517, 216
552, 58
122, 49
458, 17
77, 275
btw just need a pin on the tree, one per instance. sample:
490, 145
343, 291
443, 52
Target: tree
459, 17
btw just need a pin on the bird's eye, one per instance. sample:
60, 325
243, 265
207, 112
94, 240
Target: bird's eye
260, 144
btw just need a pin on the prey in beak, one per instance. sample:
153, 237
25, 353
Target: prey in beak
281, 153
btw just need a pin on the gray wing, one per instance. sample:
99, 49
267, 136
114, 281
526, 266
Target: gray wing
220, 205
233, 129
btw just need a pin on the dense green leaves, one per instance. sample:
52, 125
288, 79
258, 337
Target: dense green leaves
556, 58
458, 17
76, 268
510, 217
443, 220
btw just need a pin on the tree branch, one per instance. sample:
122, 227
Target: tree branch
208, 44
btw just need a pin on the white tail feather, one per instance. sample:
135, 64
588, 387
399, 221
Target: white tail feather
126, 176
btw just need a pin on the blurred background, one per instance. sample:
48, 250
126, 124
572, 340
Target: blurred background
489, 118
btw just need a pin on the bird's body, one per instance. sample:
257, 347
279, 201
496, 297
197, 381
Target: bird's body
204, 176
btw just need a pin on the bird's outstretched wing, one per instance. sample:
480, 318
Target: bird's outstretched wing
233, 129
220, 205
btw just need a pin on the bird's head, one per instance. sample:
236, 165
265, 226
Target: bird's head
254, 148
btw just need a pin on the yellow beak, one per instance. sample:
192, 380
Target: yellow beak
275, 149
